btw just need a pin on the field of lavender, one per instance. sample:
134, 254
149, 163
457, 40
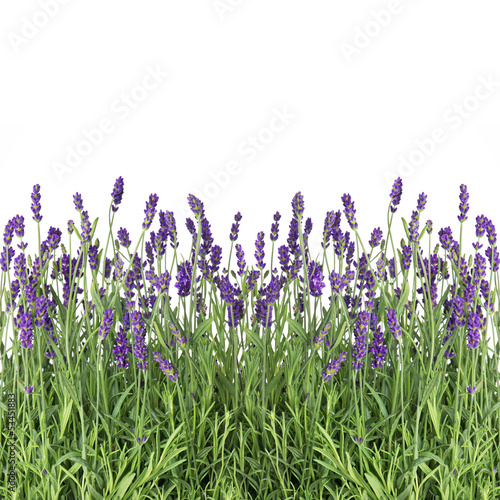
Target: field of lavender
367, 372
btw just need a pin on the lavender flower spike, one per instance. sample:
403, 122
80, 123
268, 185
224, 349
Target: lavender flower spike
464, 206
298, 205
35, 206
397, 190
196, 206
349, 211
392, 321
117, 194
106, 323
150, 211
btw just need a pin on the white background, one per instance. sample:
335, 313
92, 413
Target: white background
359, 103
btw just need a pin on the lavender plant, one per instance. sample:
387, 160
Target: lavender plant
362, 374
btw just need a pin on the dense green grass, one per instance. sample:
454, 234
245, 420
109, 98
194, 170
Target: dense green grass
256, 419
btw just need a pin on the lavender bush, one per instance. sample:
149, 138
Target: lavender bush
381, 382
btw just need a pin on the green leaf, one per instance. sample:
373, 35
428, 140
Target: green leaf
201, 328
124, 485
298, 328
96, 298
273, 384
403, 298
379, 401
406, 228
224, 381
376, 485
66, 414
254, 338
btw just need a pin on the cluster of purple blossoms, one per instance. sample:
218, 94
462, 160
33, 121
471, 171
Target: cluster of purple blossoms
298, 205
407, 253
26, 328
196, 206
472, 390
107, 322
315, 276
240, 255
180, 338
275, 227
359, 349
122, 346
349, 211
392, 322
414, 227
150, 211
333, 367
166, 366
117, 194
376, 237
259, 253
464, 206
397, 191
263, 306
422, 200
318, 339
184, 276
473, 333
123, 237
233, 236
139, 330
35, 206
377, 347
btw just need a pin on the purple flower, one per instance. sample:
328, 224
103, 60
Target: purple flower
184, 276
196, 206
19, 225
9, 232
235, 227
360, 440
333, 366
106, 324
123, 237
481, 222
392, 322
85, 226
464, 206
28, 390
377, 347
252, 278
78, 202
117, 194
121, 348
428, 227
407, 253
240, 255
26, 327
259, 254
376, 237
493, 258
414, 227
35, 205
275, 227
284, 258
318, 339
139, 330
71, 226
422, 200
446, 238
93, 257
166, 366
298, 205
471, 390
180, 338
473, 334
349, 211
150, 211
491, 232
397, 191
359, 349
315, 275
